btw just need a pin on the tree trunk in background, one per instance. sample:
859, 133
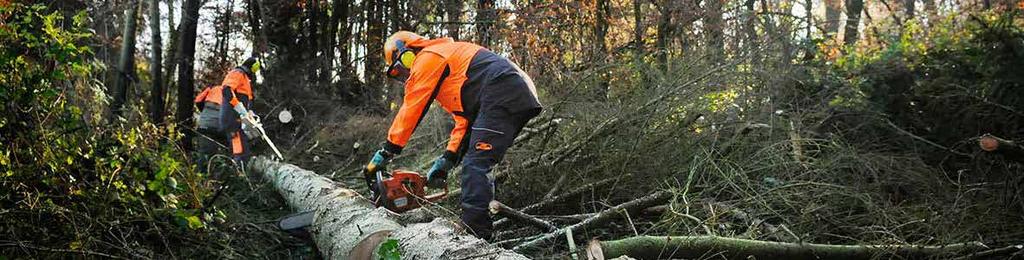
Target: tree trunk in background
342, 9
253, 11
601, 48
329, 45
853, 10
638, 29
156, 111
809, 10
348, 226
933, 12
186, 58
374, 54
126, 61
172, 48
714, 24
664, 29
832, 13
750, 29
312, 41
453, 10
486, 19
909, 6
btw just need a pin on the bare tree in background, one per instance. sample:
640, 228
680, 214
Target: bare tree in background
126, 63
453, 10
171, 60
832, 13
186, 56
486, 18
853, 10
156, 106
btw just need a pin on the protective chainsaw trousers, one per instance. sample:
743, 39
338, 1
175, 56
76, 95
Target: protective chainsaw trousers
491, 134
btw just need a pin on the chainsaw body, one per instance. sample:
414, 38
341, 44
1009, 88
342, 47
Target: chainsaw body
401, 191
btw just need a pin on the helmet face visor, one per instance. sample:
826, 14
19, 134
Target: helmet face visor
398, 71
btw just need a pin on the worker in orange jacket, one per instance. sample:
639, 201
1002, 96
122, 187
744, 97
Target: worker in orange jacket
488, 96
221, 110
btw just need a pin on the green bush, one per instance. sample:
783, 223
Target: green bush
69, 179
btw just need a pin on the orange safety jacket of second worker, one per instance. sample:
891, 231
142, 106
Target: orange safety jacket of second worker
438, 72
236, 80
239, 84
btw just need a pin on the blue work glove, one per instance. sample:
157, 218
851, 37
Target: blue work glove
437, 177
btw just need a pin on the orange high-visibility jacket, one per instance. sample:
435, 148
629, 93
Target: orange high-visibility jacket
438, 72
236, 80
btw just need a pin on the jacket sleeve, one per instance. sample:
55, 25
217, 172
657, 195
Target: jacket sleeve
458, 135
426, 76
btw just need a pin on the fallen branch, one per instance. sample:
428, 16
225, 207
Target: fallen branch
498, 208
547, 202
348, 226
530, 132
571, 193
601, 218
660, 247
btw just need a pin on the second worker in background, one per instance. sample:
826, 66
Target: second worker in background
489, 97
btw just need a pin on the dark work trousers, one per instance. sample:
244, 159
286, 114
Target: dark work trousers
492, 133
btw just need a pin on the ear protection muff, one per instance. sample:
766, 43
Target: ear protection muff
405, 55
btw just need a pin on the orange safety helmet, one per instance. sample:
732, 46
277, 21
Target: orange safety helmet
395, 47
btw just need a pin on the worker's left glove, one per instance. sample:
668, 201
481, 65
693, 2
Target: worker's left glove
437, 177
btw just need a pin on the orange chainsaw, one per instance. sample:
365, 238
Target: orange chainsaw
401, 191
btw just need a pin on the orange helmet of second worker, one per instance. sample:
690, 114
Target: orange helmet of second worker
390, 45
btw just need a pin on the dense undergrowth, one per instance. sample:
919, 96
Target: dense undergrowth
75, 183
877, 145
785, 142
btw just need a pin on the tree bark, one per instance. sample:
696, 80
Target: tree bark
186, 57
348, 226
656, 247
126, 62
852, 31
156, 111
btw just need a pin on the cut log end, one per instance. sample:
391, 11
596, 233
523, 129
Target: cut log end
988, 143
594, 251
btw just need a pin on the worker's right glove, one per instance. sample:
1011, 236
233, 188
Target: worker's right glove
437, 177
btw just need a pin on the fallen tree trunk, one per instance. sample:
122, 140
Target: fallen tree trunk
660, 247
348, 226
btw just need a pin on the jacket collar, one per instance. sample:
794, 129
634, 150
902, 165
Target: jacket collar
423, 43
